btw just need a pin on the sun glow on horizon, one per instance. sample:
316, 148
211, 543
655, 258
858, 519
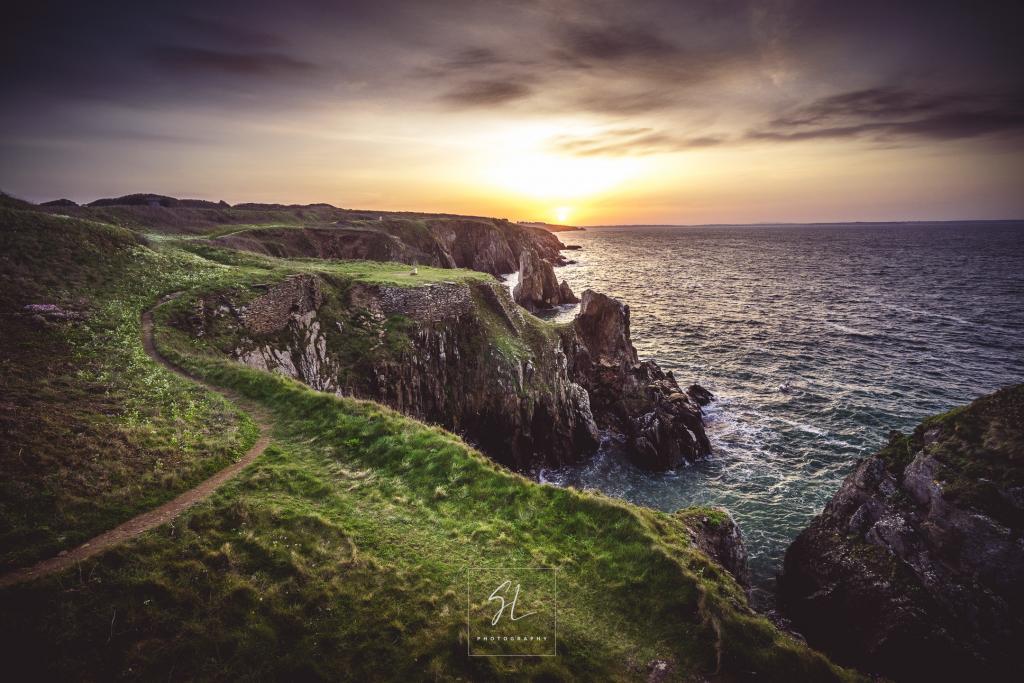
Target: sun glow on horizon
562, 213
525, 166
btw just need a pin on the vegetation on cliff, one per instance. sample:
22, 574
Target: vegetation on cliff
342, 552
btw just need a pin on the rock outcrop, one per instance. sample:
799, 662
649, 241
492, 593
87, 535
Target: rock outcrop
915, 569
655, 423
716, 534
538, 288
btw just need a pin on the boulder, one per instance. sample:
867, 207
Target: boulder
700, 395
915, 568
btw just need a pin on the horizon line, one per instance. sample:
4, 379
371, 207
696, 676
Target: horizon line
85, 204
792, 223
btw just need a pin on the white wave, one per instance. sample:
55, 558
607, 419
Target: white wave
931, 314
810, 429
848, 330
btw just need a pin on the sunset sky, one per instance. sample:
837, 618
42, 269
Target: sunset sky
583, 112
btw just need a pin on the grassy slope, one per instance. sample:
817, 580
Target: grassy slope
93, 432
344, 549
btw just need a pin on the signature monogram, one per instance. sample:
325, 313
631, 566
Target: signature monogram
511, 605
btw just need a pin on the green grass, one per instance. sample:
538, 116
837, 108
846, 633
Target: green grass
978, 447
370, 272
94, 432
342, 552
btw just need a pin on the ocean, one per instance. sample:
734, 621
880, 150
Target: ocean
817, 340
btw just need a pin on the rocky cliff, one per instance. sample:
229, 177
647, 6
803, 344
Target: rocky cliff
487, 245
657, 424
461, 355
465, 356
915, 569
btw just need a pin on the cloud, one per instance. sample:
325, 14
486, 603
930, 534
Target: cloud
887, 114
197, 60
613, 101
612, 42
630, 142
474, 57
484, 93
224, 33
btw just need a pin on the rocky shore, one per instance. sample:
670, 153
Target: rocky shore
915, 569
658, 424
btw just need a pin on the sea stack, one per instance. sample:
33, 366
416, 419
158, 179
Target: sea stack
538, 288
657, 424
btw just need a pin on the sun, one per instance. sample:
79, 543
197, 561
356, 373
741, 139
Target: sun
562, 213
520, 162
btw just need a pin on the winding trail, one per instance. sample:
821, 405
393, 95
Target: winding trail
169, 510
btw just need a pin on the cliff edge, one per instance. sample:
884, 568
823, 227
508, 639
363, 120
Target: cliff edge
915, 569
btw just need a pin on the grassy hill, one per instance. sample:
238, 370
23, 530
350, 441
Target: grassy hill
343, 552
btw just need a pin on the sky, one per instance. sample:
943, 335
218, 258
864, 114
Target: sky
669, 111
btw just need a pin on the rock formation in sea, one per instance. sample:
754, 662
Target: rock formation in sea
915, 569
538, 288
657, 424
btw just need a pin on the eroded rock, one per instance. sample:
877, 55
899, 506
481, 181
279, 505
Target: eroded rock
538, 288
657, 424
715, 532
915, 569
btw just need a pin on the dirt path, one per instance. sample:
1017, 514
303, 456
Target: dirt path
157, 516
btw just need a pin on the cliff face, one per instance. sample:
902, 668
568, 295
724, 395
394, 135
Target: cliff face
489, 246
465, 356
915, 569
656, 423
459, 355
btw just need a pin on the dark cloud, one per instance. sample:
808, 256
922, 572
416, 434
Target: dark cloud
616, 103
483, 93
192, 59
888, 114
222, 32
631, 142
474, 58
754, 69
872, 103
612, 42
